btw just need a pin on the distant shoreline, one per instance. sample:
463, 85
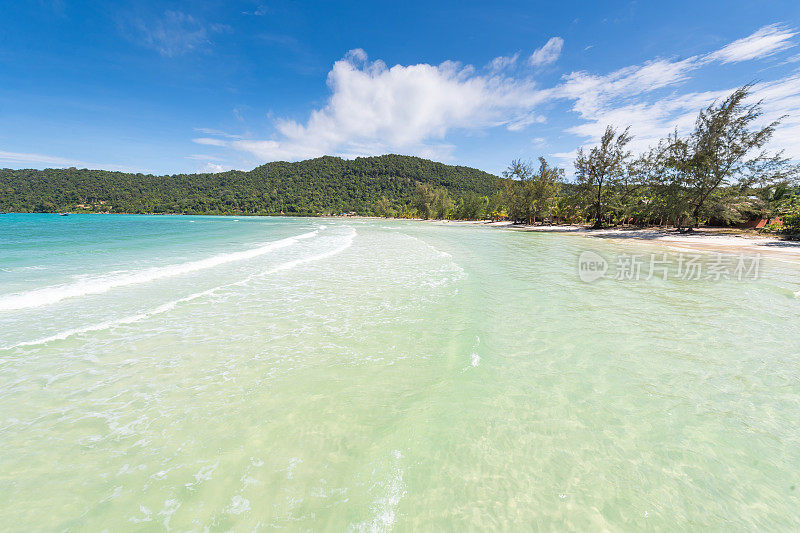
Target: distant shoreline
709, 239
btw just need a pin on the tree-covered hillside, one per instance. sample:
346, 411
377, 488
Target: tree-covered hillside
326, 185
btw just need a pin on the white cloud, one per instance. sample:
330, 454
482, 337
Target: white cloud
214, 168
547, 54
781, 100
376, 109
219, 133
32, 160
40, 159
260, 11
210, 142
503, 62
525, 121
203, 157
633, 96
356, 56
652, 119
763, 43
172, 34
592, 91
624, 97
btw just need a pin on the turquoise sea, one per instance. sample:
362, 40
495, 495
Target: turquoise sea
216, 373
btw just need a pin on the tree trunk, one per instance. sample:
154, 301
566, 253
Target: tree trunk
598, 221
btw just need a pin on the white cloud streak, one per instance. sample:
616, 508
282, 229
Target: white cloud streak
219, 133
208, 141
630, 96
766, 42
33, 160
547, 54
173, 33
18, 158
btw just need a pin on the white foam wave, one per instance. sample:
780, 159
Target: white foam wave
22, 268
113, 323
291, 264
101, 284
174, 303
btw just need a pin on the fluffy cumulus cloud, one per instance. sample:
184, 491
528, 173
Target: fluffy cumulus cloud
547, 54
374, 108
503, 62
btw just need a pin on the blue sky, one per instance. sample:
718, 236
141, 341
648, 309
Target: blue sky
168, 87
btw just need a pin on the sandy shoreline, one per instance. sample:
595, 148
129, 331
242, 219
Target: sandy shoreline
723, 240
728, 240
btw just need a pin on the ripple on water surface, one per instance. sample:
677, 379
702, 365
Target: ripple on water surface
387, 375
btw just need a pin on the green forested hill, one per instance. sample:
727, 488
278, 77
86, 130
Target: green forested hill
326, 185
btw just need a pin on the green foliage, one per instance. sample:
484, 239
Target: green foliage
443, 205
719, 173
791, 220
601, 171
471, 207
777, 200
530, 195
383, 185
709, 171
423, 198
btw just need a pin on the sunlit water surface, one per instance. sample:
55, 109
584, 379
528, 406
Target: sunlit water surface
204, 372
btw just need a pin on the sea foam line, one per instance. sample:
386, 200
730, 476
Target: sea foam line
99, 285
163, 308
291, 264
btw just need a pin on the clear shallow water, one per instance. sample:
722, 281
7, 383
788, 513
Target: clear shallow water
204, 372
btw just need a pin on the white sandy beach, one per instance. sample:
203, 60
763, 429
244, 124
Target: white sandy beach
705, 239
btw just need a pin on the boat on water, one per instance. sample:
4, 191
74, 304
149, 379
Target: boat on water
64, 214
